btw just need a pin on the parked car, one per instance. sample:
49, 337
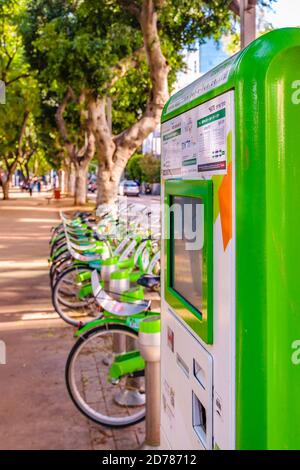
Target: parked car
129, 188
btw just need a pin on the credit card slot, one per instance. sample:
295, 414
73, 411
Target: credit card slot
183, 366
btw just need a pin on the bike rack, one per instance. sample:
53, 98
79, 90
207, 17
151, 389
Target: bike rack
149, 343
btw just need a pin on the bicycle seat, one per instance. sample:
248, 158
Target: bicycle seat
149, 281
110, 305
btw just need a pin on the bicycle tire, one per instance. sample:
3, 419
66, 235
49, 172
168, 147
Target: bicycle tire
58, 303
108, 421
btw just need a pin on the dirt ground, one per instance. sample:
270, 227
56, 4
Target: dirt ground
35, 409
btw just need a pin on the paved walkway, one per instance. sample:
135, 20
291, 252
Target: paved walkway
35, 409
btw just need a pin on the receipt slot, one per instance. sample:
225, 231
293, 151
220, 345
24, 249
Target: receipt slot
231, 258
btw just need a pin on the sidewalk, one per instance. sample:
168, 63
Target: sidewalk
35, 409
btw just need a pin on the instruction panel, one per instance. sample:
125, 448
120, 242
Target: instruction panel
198, 141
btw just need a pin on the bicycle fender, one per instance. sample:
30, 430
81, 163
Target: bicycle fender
100, 322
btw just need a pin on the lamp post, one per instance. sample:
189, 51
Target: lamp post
246, 10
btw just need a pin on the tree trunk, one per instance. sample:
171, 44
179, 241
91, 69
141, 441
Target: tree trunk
65, 179
5, 189
68, 180
107, 184
80, 184
114, 151
80, 157
26, 170
72, 181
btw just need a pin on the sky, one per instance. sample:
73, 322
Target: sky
286, 13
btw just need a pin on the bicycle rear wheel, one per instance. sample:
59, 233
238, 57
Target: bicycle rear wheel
57, 269
66, 298
111, 404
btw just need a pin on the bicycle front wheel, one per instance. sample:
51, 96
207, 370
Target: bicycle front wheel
117, 404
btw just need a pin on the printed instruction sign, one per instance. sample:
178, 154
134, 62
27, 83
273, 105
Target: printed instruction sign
212, 79
196, 141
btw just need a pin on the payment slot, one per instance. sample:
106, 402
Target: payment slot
231, 259
187, 390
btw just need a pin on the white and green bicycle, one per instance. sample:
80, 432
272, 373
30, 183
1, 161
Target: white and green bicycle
104, 370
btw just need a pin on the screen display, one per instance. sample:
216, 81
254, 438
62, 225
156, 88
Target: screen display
187, 242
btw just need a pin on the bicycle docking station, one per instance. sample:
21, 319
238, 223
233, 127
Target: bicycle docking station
231, 260
98, 285
149, 345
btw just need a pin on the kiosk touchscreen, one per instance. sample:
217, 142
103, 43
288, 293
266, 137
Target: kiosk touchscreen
231, 262
188, 245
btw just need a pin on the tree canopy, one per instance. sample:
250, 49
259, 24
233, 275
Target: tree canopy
18, 133
98, 73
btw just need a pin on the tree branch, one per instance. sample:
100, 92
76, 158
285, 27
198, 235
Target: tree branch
59, 115
101, 131
11, 166
8, 64
23, 75
131, 6
6, 163
87, 151
159, 3
234, 6
22, 133
121, 69
159, 69
28, 155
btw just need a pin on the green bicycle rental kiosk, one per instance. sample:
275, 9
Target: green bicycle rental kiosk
231, 262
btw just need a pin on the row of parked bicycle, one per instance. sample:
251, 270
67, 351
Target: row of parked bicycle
104, 275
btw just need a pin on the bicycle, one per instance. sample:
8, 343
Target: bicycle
104, 370
71, 294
